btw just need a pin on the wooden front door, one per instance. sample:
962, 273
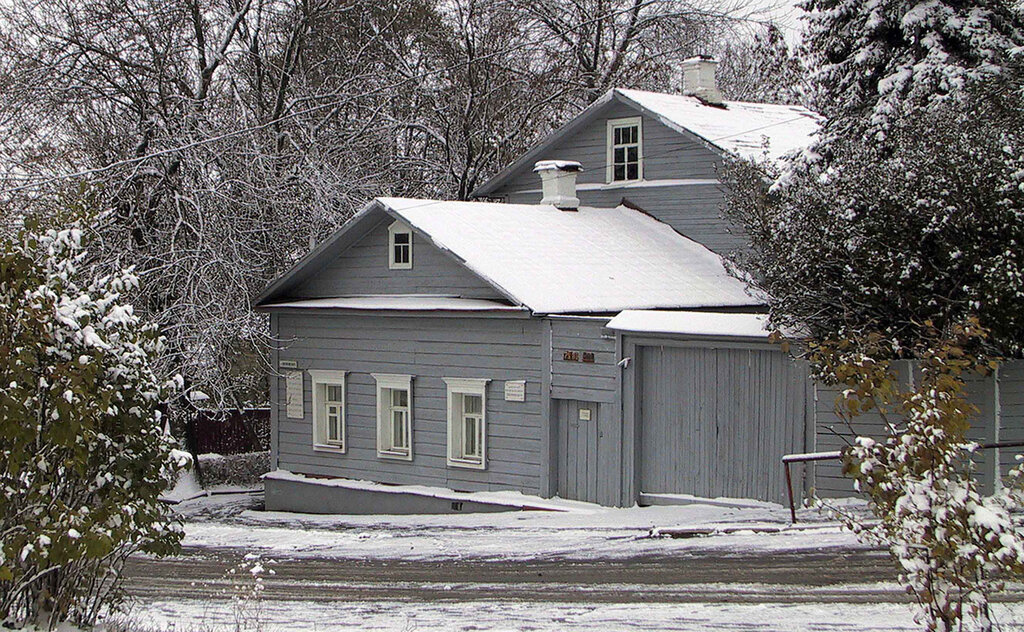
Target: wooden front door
577, 449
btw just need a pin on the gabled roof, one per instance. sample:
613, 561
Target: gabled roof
749, 130
552, 261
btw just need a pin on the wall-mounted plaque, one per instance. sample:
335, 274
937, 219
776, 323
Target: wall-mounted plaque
515, 391
293, 395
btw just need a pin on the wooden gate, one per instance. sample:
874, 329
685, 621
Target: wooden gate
577, 449
716, 422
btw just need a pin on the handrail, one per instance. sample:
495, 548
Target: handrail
789, 459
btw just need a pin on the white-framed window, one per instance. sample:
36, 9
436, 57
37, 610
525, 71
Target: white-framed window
399, 246
625, 149
394, 416
328, 410
467, 422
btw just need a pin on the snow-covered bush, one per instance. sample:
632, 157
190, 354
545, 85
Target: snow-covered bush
954, 546
236, 470
83, 453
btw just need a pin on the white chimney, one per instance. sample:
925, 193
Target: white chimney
558, 183
699, 79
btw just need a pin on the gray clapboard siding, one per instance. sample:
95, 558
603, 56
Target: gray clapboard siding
667, 153
716, 421
428, 348
1011, 413
589, 454
363, 269
692, 209
832, 433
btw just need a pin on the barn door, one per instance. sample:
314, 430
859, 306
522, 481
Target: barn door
577, 449
716, 422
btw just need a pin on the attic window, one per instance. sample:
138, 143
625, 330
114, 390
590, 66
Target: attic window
399, 246
625, 149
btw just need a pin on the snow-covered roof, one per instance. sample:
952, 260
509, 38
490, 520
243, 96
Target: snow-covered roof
739, 128
395, 302
735, 127
590, 260
691, 323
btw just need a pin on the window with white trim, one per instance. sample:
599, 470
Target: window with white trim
399, 246
467, 422
394, 416
625, 150
328, 410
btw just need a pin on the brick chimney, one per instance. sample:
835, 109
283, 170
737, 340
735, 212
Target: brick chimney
558, 183
699, 79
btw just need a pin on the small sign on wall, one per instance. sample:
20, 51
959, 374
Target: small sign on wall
293, 395
515, 391
584, 414
287, 364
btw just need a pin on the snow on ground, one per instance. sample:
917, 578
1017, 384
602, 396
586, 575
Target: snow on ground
497, 616
585, 533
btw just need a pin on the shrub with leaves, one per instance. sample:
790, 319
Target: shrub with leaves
83, 452
954, 547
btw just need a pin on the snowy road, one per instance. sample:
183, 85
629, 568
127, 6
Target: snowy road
697, 577
539, 571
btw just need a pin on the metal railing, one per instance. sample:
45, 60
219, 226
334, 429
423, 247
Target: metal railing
789, 459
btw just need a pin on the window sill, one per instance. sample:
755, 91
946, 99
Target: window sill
622, 184
329, 448
400, 266
396, 456
466, 464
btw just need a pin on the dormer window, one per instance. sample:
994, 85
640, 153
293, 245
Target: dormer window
625, 150
399, 246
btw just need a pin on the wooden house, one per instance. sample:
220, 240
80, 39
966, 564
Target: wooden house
576, 334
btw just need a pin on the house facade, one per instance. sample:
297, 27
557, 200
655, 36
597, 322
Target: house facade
574, 335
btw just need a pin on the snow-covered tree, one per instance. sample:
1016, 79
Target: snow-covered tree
954, 546
871, 60
927, 227
762, 69
898, 235
83, 452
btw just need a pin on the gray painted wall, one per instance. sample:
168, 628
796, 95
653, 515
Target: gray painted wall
363, 269
429, 348
832, 433
589, 454
715, 419
692, 209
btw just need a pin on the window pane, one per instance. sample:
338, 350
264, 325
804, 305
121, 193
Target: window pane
398, 436
334, 393
401, 253
471, 437
473, 404
399, 397
633, 172
617, 135
633, 134
401, 238
619, 172
631, 154
619, 155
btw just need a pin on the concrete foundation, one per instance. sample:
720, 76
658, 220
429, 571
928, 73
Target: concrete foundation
309, 496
